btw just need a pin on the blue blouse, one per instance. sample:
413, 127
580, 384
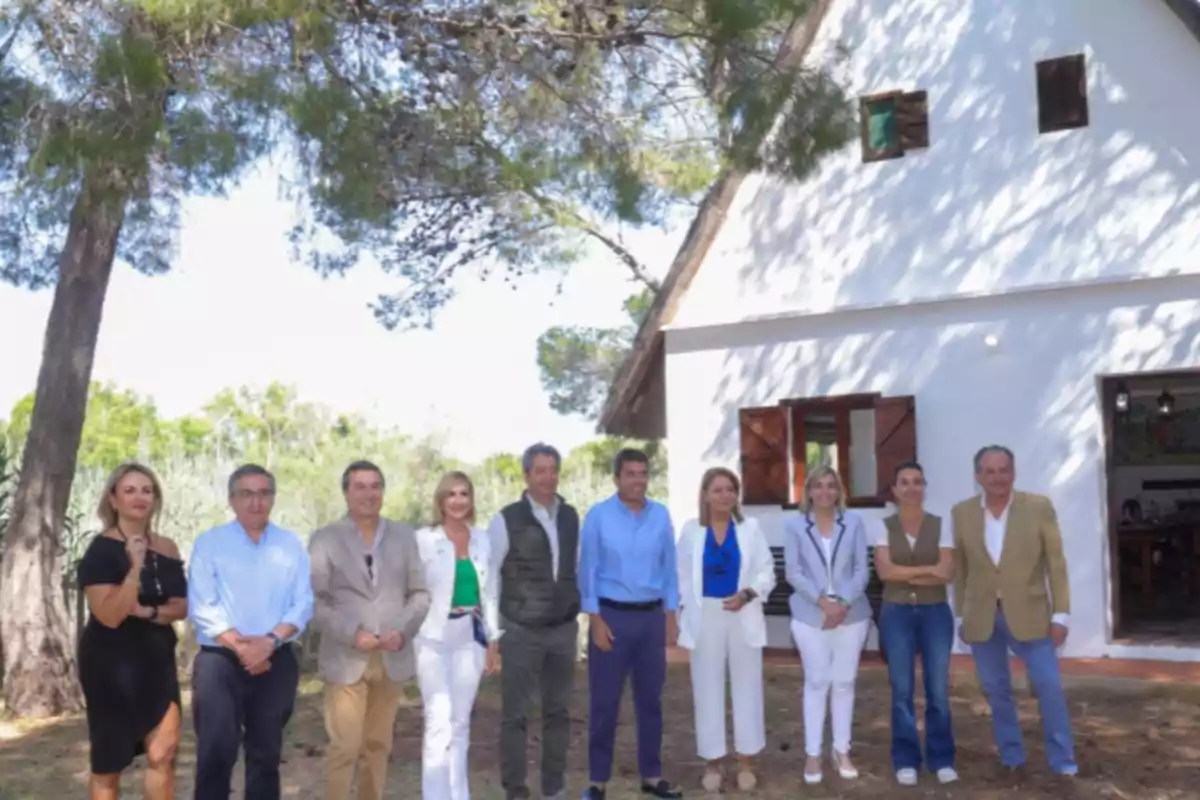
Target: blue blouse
722, 563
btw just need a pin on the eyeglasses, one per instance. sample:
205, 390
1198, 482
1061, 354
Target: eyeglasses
370, 566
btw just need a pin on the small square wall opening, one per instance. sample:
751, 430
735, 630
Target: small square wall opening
1062, 94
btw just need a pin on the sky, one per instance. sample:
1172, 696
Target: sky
237, 311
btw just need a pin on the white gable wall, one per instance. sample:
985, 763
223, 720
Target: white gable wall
1036, 392
991, 205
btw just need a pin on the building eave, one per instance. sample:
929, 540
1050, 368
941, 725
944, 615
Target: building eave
1188, 12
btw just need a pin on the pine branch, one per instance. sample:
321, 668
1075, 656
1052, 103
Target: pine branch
18, 23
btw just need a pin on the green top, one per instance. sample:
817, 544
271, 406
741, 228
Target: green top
466, 585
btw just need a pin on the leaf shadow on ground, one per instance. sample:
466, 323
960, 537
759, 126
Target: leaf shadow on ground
1134, 740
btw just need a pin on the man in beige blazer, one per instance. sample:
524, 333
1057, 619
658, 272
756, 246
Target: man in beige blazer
370, 596
1007, 548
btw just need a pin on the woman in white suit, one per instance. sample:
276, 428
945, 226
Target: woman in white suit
725, 573
825, 552
457, 641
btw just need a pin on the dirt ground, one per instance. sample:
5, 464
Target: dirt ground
1134, 741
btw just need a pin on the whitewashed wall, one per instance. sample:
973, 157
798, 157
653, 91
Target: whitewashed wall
1036, 392
992, 205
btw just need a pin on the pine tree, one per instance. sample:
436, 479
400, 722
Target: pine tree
447, 140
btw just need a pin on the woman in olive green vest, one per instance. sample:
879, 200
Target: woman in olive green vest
914, 557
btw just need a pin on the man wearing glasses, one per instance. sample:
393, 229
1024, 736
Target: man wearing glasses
249, 597
370, 601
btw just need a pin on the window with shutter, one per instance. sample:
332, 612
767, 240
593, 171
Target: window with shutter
837, 432
864, 437
893, 123
764, 448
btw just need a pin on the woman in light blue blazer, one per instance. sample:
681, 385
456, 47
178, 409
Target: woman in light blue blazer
825, 550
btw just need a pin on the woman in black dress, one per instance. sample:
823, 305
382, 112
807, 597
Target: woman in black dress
135, 587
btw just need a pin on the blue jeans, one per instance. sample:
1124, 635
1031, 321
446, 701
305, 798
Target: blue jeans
904, 632
1041, 664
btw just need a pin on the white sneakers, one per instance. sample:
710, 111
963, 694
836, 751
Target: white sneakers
841, 762
908, 776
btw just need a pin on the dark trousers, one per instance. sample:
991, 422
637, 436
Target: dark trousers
229, 705
538, 663
906, 631
639, 648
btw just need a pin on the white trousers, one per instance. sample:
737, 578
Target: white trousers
830, 660
448, 673
720, 647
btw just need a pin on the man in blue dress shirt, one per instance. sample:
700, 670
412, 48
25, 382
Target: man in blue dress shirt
249, 597
628, 586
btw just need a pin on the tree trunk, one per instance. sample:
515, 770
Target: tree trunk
39, 649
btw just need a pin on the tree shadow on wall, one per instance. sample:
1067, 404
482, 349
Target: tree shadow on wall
1010, 204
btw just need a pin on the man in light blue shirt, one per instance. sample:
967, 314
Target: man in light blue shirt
249, 597
628, 585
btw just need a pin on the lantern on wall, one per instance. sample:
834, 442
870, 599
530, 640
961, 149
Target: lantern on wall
1166, 403
1121, 400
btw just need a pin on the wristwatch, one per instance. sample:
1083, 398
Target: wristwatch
274, 637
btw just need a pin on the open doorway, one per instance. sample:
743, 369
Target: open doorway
1152, 421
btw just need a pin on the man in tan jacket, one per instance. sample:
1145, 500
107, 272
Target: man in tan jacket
370, 595
1007, 548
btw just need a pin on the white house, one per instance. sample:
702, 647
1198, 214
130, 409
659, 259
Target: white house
1011, 254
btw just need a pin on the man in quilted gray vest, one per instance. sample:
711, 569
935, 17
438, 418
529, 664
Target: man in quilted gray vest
535, 547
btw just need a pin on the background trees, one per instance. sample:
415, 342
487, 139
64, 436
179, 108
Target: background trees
448, 141
577, 363
308, 462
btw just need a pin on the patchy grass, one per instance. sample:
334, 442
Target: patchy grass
1134, 741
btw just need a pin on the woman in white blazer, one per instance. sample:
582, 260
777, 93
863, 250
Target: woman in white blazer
726, 571
457, 641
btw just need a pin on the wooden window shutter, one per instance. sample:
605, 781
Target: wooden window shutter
912, 118
895, 438
799, 453
764, 446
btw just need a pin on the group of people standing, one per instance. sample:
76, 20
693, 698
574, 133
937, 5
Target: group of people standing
452, 601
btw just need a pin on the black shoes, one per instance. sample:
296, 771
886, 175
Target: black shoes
660, 789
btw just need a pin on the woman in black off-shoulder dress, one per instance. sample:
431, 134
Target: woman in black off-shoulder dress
135, 587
